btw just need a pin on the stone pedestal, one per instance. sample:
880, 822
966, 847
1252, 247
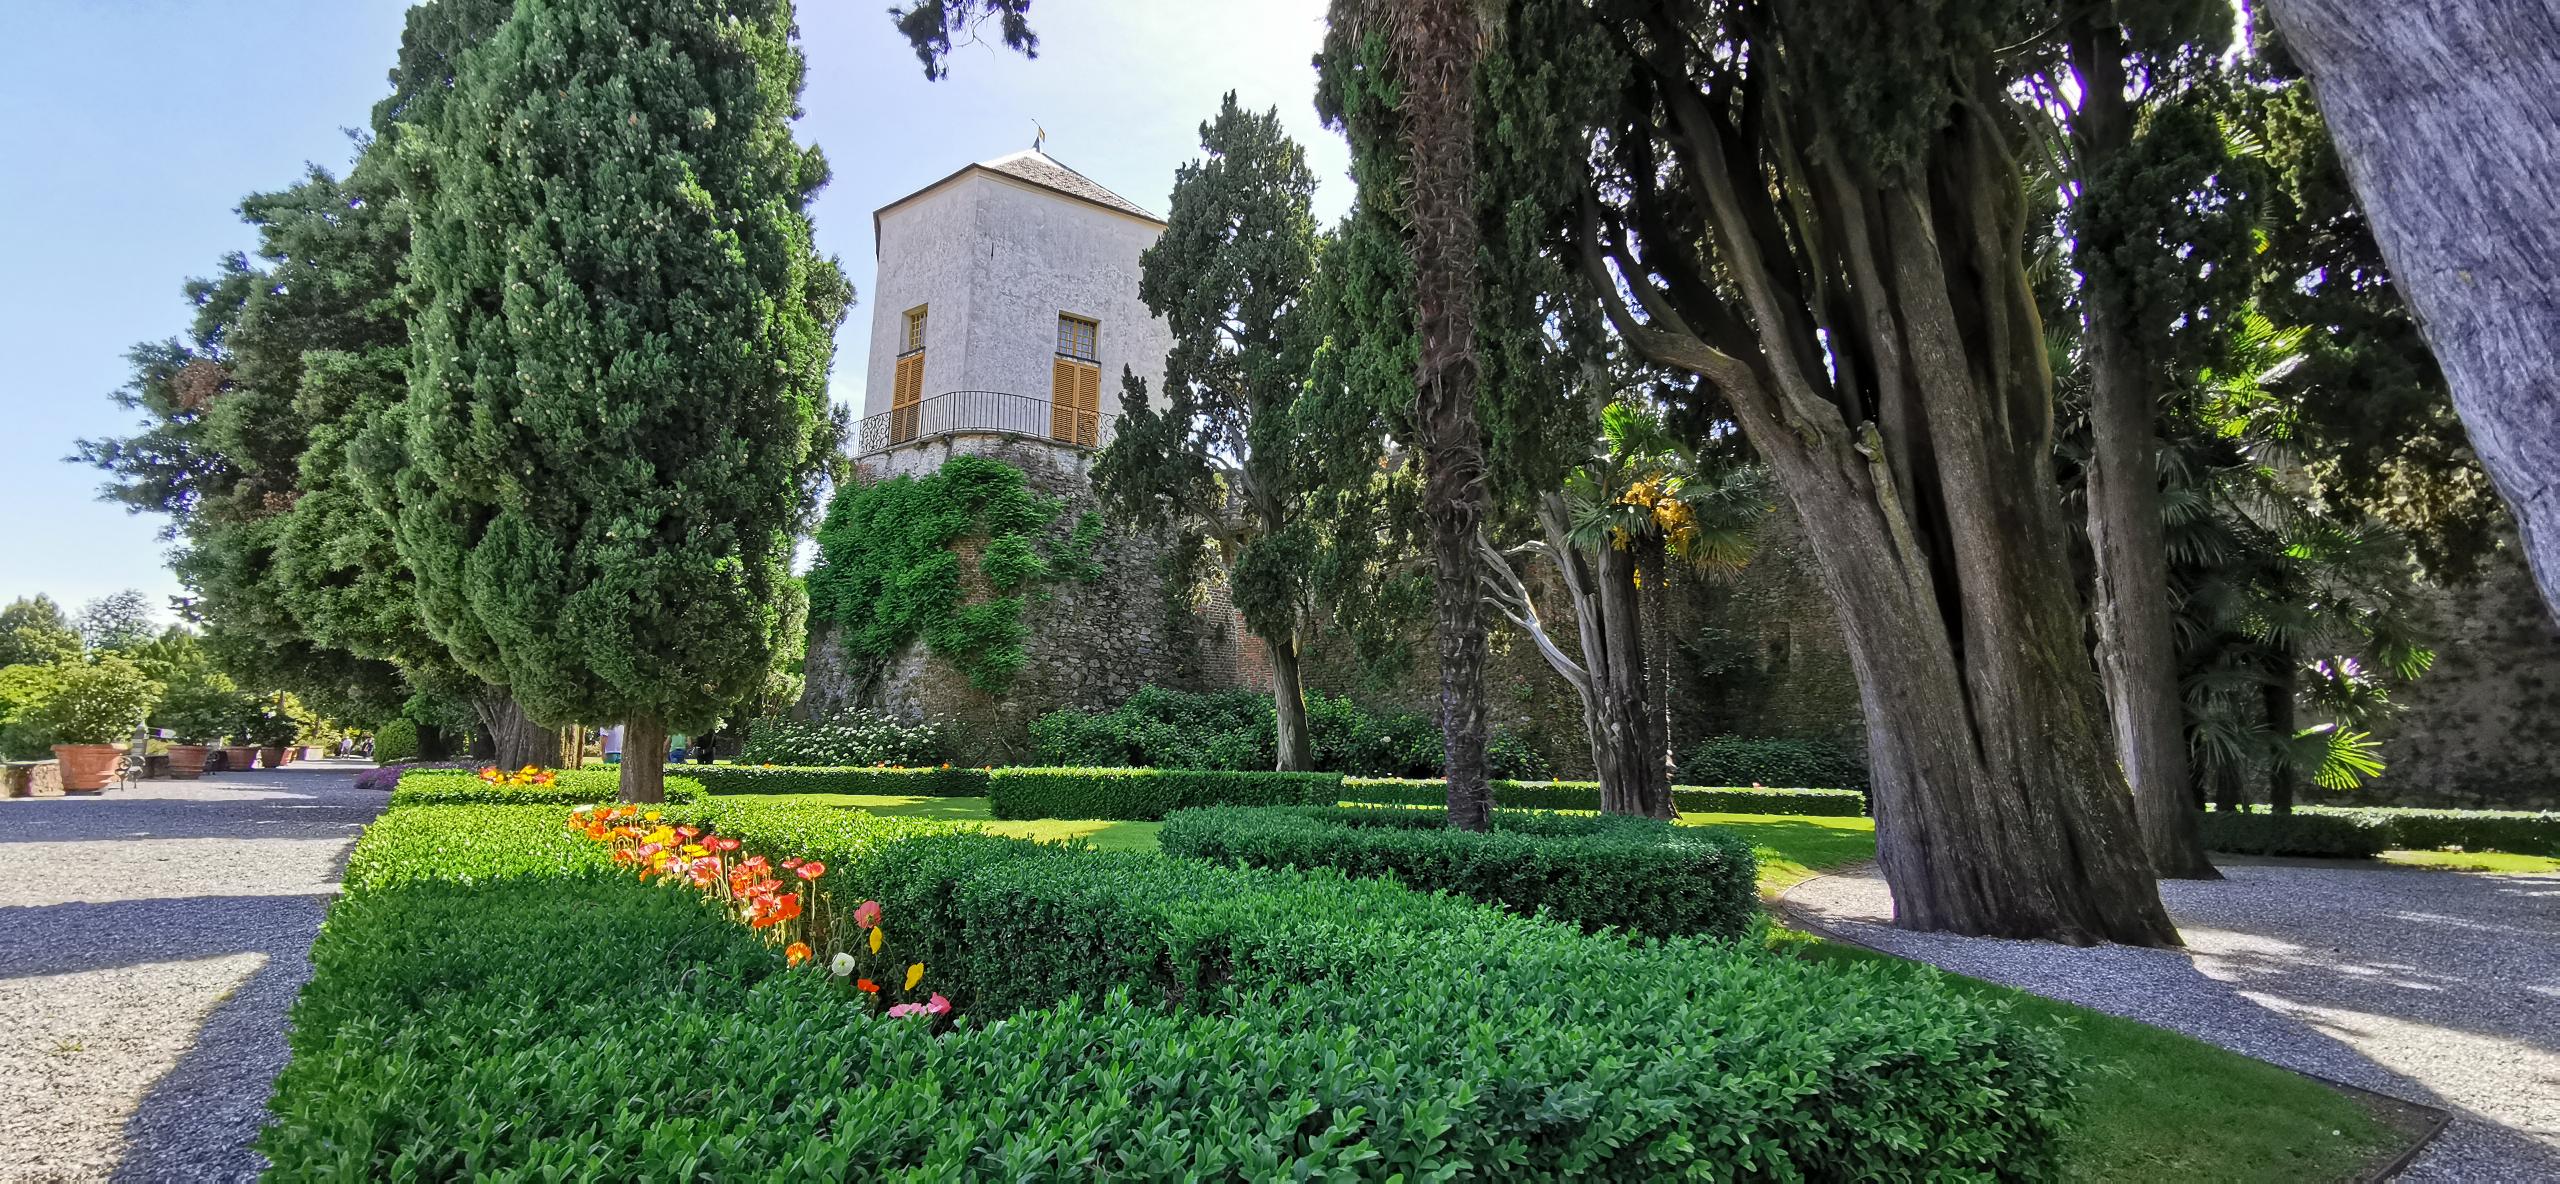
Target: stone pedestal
30, 779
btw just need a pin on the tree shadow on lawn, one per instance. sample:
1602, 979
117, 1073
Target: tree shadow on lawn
1793, 848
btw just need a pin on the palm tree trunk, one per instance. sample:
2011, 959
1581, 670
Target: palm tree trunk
2281, 724
1436, 44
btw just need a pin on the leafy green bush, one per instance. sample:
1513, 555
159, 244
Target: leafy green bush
1147, 793
1809, 764
887, 572
1585, 795
851, 738
24, 690
201, 708
1630, 873
1237, 730
502, 1006
569, 787
2324, 836
1678, 1056
2522, 832
100, 701
754, 779
395, 741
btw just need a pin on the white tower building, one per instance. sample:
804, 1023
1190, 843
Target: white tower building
1005, 307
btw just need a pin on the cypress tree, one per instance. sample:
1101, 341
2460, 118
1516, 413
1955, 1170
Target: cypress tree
616, 418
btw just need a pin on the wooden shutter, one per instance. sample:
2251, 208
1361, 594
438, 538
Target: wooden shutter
1088, 404
903, 397
1075, 390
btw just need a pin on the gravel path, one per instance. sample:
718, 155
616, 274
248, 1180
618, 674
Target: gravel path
151, 940
2436, 987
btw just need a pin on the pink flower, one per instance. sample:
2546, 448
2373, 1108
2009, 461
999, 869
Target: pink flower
938, 1005
867, 915
899, 1011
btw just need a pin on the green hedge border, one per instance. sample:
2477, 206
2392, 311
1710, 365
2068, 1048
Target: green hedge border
1585, 795
569, 787
944, 782
1594, 872
1144, 795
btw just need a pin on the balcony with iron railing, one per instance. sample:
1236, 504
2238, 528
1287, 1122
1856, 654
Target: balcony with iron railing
983, 413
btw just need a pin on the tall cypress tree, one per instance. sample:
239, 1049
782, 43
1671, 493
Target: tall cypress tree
617, 409
1232, 453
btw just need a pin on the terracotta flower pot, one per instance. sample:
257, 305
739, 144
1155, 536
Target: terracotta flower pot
87, 766
272, 756
242, 759
186, 761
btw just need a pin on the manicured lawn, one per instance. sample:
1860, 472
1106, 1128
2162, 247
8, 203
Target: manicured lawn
2164, 1107
1796, 848
1107, 836
2473, 861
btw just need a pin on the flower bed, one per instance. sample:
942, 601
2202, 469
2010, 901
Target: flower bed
527, 787
494, 996
1629, 873
942, 781
1147, 794
1585, 795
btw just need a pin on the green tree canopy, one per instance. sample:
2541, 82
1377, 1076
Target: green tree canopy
616, 418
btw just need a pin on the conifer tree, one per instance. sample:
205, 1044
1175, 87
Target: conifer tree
616, 414
1231, 277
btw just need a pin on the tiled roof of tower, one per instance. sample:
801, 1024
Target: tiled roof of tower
1043, 170
1033, 167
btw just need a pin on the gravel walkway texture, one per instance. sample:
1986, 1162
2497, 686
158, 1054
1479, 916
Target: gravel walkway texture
151, 940
2436, 987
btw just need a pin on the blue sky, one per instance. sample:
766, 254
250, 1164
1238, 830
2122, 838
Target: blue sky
131, 129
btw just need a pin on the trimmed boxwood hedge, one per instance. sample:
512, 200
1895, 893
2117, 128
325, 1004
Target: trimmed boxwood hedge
1628, 873
2325, 836
944, 782
1217, 1023
569, 787
1147, 794
2521, 832
1585, 795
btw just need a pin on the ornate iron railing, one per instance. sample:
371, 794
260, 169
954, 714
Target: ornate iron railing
993, 413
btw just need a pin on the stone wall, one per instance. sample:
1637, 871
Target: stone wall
2483, 727
1091, 644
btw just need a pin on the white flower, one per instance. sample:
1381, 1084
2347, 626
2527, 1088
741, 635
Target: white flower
842, 965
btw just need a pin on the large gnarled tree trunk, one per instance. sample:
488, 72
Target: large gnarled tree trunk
1436, 43
1884, 355
515, 740
2137, 656
2447, 115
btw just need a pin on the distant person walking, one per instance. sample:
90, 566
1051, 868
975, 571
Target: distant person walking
611, 739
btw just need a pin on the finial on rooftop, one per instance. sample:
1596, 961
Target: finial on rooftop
1038, 135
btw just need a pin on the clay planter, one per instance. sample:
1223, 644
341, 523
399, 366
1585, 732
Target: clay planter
272, 756
87, 766
242, 759
186, 761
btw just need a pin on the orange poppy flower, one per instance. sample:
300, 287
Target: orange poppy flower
796, 953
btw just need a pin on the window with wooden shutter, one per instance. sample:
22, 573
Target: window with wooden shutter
1075, 383
908, 389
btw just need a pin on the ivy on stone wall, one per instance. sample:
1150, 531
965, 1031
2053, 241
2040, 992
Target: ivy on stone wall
888, 572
